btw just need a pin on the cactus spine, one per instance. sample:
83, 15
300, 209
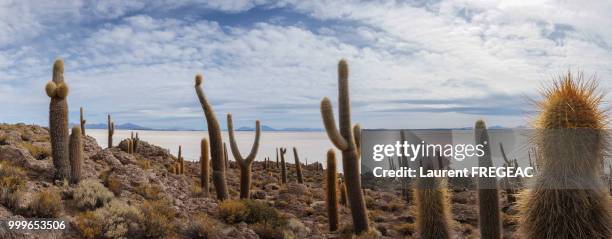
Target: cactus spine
111, 131
216, 143
568, 199
347, 140
83, 121
298, 167
488, 194
283, 166
244, 163
57, 90
332, 193
204, 164
76, 155
432, 216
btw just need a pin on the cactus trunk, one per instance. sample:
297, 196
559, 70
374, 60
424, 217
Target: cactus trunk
111, 131
347, 140
216, 143
332, 193
83, 121
298, 167
283, 166
57, 90
204, 171
76, 155
488, 194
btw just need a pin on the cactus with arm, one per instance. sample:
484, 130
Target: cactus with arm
245, 164
347, 140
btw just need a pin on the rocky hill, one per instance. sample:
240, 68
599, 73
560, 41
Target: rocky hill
136, 196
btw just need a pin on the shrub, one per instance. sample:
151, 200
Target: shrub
11, 199
158, 218
46, 204
260, 212
150, 192
12, 178
114, 185
115, 220
38, 152
203, 227
268, 232
233, 211
91, 194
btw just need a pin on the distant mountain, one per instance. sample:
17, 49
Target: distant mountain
128, 126
268, 128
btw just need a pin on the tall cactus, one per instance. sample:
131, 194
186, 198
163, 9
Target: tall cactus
226, 156
204, 164
342, 194
83, 122
244, 163
277, 163
433, 207
57, 90
136, 140
76, 155
488, 194
216, 143
332, 193
298, 167
568, 199
181, 165
347, 140
283, 165
111, 131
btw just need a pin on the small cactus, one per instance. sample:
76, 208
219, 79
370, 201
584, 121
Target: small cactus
204, 164
181, 163
76, 155
298, 167
136, 140
244, 163
277, 162
343, 194
488, 194
283, 166
332, 194
57, 90
566, 200
218, 156
83, 121
347, 140
111, 131
226, 156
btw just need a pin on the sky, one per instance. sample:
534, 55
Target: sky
413, 64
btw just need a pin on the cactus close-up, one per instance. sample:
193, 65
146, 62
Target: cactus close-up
57, 90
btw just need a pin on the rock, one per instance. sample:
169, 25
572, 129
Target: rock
107, 156
21, 157
271, 187
258, 194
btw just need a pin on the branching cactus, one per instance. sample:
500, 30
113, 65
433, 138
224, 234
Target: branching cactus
568, 199
204, 171
76, 155
57, 90
283, 166
245, 164
111, 131
332, 193
488, 194
347, 140
83, 122
298, 167
216, 143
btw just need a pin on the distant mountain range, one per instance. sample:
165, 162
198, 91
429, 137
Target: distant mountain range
132, 126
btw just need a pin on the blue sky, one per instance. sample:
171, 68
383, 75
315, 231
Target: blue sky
413, 64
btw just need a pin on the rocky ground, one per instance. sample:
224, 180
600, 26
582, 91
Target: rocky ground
144, 176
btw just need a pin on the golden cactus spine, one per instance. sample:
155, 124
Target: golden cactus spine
204, 164
57, 90
76, 155
216, 143
433, 208
244, 164
332, 193
567, 199
488, 194
111, 131
83, 121
298, 167
283, 165
347, 140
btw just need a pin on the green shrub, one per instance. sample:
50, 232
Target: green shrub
91, 194
46, 204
